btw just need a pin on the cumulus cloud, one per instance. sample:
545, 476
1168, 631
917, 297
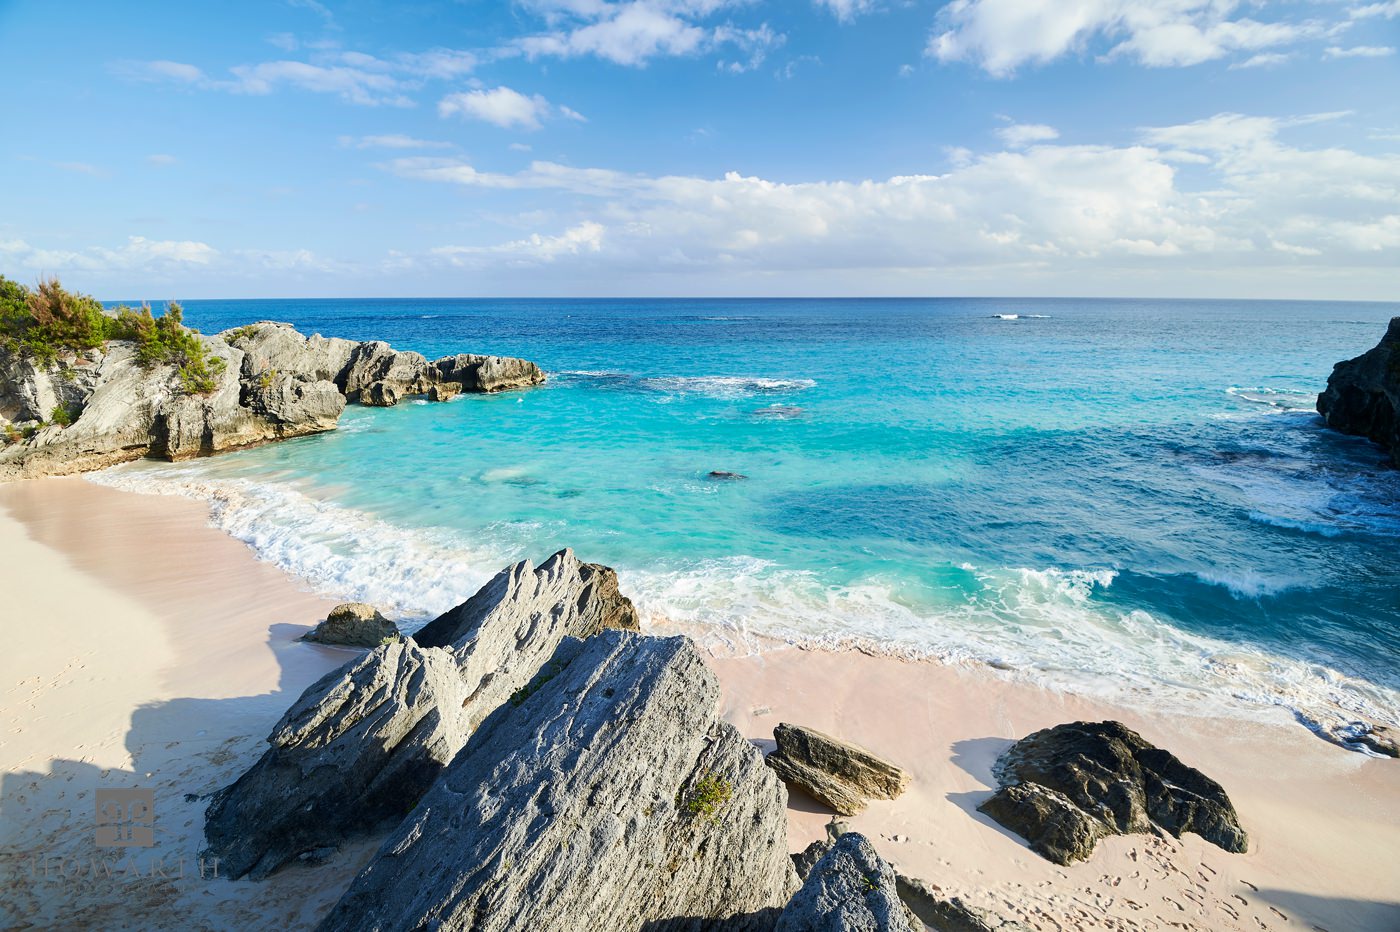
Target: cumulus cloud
1050, 205
1003, 35
503, 107
633, 32
1018, 135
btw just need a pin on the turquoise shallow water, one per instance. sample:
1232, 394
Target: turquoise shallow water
1132, 497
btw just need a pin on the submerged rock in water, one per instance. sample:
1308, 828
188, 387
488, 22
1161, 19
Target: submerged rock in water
850, 889
722, 476
1065, 787
1363, 394
612, 796
363, 743
835, 772
353, 624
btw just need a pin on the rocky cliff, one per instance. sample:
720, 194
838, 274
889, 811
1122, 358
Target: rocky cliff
1363, 394
269, 383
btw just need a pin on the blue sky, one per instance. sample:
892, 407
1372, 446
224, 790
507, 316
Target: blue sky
703, 147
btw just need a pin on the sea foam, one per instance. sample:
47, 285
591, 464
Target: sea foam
1044, 625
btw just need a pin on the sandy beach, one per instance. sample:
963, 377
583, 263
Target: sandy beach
145, 648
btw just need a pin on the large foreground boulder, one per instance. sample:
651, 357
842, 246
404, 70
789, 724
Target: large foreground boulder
1363, 394
363, 744
1064, 788
850, 889
611, 796
840, 774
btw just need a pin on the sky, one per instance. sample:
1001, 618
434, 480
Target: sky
343, 148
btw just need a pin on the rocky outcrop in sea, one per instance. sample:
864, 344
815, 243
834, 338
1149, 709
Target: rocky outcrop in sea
269, 383
1363, 394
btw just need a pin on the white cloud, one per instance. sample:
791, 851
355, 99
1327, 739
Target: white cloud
847, 10
161, 160
1388, 10
138, 253
520, 147
587, 237
1019, 135
633, 32
1262, 60
391, 141
501, 106
355, 77
1003, 35
81, 168
1359, 51
1050, 206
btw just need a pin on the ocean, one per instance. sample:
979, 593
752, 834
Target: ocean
1129, 498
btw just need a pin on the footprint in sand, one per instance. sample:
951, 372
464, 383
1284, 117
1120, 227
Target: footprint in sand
1278, 914
1250, 885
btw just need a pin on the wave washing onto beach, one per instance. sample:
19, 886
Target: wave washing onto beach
1043, 625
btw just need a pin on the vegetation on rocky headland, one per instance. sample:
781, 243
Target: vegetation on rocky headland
49, 321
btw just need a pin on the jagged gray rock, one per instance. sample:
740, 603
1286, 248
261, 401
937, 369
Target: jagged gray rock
610, 797
487, 373
1065, 787
275, 384
851, 889
366, 741
404, 373
353, 624
278, 348
835, 772
949, 914
581, 598
1363, 394
355, 752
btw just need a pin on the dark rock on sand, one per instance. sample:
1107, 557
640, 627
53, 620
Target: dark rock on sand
1065, 787
353, 624
838, 773
363, 744
850, 889
1363, 394
609, 796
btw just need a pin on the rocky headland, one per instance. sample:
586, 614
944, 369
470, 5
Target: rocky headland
131, 386
1363, 394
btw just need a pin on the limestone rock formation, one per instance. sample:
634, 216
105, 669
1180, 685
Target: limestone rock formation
851, 889
1065, 787
363, 744
1363, 394
837, 773
609, 796
271, 347
274, 384
353, 624
474, 373
354, 752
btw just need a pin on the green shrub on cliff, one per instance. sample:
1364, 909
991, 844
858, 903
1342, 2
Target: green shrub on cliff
49, 320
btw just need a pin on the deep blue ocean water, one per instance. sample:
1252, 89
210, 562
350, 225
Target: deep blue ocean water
1132, 497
